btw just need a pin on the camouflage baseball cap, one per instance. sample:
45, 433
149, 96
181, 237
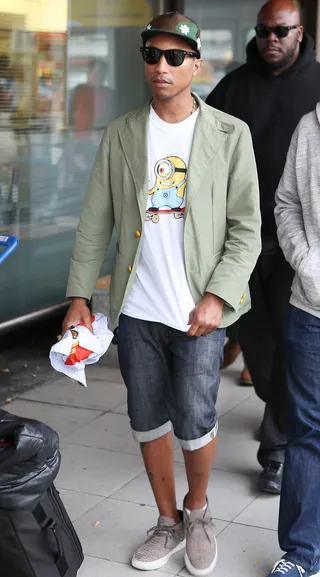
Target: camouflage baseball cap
176, 24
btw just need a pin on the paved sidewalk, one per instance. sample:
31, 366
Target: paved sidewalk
103, 484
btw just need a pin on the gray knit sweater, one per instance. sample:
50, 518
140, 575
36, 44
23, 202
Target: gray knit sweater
298, 212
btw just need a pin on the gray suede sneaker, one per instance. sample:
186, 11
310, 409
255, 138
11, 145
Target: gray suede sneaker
201, 548
164, 540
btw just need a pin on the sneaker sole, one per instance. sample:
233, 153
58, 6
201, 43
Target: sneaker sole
158, 563
245, 383
270, 487
200, 572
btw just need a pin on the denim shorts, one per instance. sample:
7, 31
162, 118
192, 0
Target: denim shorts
172, 380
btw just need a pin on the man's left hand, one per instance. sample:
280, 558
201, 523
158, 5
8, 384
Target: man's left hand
206, 316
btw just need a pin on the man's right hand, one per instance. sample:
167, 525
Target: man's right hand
78, 313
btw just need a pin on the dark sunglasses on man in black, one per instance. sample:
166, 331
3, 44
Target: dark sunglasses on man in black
279, 31
174, 57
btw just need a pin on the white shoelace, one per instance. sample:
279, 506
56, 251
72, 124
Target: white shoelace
284, 567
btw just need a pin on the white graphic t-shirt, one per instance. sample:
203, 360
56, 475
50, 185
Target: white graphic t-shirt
161, 291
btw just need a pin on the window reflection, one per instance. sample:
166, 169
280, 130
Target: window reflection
67, 67
226, 28
217, 54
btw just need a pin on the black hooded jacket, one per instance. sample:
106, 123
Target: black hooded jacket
272, 106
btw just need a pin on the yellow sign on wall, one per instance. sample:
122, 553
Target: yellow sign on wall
52, 15
110, 13
34, 15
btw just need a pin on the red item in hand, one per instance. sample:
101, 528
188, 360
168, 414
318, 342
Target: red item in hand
77, 354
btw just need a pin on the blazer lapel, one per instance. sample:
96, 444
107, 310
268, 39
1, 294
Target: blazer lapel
134, 142
208, 139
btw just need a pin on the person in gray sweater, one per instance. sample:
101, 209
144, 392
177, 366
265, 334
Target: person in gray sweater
298, 221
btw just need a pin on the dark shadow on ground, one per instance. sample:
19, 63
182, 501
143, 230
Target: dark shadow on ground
24, 357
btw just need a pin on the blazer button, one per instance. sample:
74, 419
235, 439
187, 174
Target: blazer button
130, 268
241, 302
138, 233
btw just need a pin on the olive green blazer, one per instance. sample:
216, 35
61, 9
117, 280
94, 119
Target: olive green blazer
222, 215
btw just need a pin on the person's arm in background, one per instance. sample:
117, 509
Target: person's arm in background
92, 240
72, 108
288, 211
302, 257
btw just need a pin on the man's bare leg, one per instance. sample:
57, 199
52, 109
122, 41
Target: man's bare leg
201, 545
158, 460
198, 468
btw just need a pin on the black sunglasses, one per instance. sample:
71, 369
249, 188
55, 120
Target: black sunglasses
279, 31
174, 57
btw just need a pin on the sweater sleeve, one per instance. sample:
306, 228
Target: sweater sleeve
292, 218
288, 211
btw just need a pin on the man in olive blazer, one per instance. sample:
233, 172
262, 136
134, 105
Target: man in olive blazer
178, 181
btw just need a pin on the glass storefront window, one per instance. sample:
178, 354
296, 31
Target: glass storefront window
66, 68
226, 28
217, 54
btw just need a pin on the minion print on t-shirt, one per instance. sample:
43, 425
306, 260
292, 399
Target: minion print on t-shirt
168, 194
160, 292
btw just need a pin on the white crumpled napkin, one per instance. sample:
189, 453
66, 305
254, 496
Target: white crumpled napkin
80, 347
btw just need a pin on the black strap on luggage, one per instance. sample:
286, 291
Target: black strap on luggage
48, 524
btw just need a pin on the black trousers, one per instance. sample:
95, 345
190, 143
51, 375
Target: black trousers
260, 334
232, 332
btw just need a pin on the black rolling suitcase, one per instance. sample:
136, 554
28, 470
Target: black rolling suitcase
41, 542
37, 538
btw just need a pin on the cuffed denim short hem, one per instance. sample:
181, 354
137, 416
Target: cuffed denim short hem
192, 445
147, 436
196, 444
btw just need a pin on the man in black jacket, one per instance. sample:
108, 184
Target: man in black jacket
271, 92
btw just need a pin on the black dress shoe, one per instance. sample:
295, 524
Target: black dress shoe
271, 477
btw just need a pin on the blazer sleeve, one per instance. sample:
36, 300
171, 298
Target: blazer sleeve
243, 241
95, 228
